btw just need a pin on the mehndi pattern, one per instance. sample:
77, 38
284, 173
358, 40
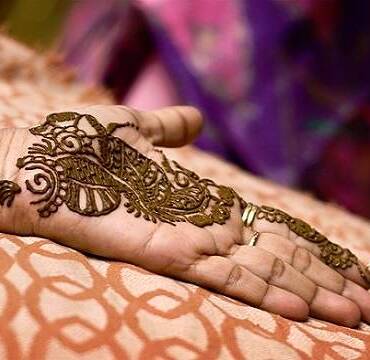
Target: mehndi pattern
79, 163
332, 254
8, 190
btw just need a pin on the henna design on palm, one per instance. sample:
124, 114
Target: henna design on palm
8, 190
81, 164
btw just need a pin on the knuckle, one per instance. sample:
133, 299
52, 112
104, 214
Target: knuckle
277, 270
131, 114
234, 276
313, 296
342, 285
301, 259
265, 295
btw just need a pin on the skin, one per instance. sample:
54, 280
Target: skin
281, 274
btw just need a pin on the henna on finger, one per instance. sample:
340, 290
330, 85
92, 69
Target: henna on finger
332, 254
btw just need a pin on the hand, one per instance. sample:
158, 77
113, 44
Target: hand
98, 185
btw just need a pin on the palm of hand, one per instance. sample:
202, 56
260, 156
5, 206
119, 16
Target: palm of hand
102, 169
89, 170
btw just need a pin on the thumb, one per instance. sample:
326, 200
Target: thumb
170, 126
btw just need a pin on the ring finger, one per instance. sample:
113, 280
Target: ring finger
314, 269
274, 221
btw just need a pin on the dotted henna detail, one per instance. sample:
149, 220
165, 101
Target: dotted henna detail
8, 190
79, 163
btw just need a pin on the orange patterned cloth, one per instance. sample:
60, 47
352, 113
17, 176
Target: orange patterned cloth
57, 303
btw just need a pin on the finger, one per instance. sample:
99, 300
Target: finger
315, 270
357, 272
171, 126
354, 271
225, 276
337, 309
301, 260
360, 296
274, 271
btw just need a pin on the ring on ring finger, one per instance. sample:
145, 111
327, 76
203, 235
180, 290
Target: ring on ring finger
332, 254
253, 240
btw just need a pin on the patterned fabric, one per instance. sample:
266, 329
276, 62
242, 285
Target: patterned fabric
57, 303
276, 80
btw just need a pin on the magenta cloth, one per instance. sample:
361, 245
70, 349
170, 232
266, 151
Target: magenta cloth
284, 85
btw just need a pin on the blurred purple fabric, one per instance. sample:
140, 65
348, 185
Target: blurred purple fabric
283, 84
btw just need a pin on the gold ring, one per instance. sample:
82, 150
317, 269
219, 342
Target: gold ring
331, 254
254, 238
249, 214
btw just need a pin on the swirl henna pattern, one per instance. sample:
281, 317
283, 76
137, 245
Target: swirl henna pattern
8, 190
81, 164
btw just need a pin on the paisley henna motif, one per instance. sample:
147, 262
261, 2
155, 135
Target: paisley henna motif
79, 163
8, 190
332, 254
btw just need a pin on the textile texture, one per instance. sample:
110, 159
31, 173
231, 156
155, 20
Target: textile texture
57, 303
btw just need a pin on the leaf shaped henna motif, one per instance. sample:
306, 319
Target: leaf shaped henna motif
87, 168
8, 190
91, 190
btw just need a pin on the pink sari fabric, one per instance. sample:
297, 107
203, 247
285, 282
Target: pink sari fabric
283, 85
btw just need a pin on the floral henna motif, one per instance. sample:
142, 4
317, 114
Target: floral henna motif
81, 164
332, 254
8, 190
